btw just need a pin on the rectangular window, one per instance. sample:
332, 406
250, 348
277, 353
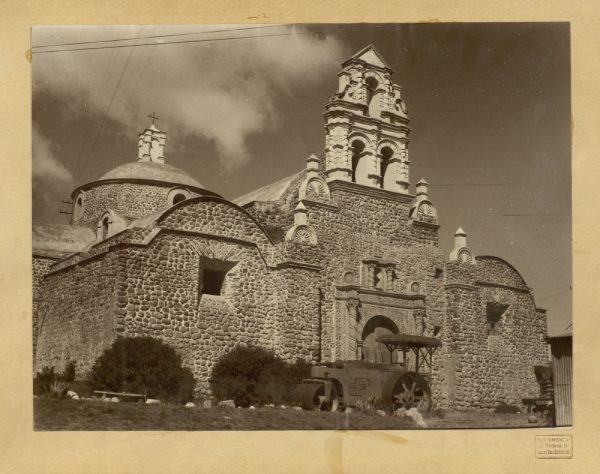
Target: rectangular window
212, 282
212, 273
494, 312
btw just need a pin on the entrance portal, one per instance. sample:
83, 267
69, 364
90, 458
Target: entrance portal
373, 351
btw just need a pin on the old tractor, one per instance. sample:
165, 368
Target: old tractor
354, 383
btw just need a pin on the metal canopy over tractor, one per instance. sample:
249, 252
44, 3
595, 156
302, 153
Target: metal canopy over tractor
359, 383
423, 347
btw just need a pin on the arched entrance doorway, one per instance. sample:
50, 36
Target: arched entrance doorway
373, 351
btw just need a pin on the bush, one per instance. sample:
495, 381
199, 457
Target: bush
138, 364
49, 383
251, 375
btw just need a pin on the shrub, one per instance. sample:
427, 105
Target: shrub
138, 364
49, 383
251, 375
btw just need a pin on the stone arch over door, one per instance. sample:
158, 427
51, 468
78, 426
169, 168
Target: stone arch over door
373, 351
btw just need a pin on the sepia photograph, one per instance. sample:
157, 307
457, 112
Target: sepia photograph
359, 226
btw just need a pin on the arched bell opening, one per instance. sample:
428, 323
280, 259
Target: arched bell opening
359, 162
372, 96
373, 351
387, 178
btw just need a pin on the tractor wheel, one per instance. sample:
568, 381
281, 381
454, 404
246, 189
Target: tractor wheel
407, 391
311, 396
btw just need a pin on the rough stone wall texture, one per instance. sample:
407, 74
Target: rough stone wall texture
40, 266
485, 368
131, 200
298, 299
163, 299
148, 282
369, 226
76, 318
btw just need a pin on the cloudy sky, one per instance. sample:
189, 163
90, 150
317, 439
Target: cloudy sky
242, 106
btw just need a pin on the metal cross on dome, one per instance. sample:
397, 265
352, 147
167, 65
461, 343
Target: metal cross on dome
153, 117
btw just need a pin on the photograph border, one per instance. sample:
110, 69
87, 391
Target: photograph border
24, 450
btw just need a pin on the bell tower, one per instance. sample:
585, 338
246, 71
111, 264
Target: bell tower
366, 126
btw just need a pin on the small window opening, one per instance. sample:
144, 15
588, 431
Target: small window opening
178, 198
212, 282
494, 312
78, 209
415, 288
105, 228
212, 275
372, 84
379, 279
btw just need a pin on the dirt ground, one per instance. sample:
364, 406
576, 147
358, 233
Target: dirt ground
84, 415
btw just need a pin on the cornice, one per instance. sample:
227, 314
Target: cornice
355, 188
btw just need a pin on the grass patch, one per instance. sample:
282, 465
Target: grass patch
84, 415
73, 415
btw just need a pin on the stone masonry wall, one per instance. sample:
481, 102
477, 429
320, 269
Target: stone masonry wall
487, 368
298, 299
40, 266
148, 282
162, 299
76, 318
131, 200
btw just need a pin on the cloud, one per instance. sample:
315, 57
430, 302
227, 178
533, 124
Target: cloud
50, 178
46, 166
222, 91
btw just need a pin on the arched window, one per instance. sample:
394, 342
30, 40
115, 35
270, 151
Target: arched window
386, 156
415, 288
372, 101
178, 198
372, 84
177, 195
358, 148
78, 208
105, 226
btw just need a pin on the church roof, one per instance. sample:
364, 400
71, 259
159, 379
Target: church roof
152, 171
270, 192
60, 240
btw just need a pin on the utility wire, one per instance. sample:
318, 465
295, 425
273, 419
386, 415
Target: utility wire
536, 215
104, 84
229, 38
137, 82
133, 38
553, 295
86, 159
477, 184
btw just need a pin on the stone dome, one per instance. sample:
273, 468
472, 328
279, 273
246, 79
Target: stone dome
151, 171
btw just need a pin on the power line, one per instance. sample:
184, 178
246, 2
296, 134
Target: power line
105, 81
536, 215
293, 33
478, 184
107, 110
132, 38
137, 82
553, 295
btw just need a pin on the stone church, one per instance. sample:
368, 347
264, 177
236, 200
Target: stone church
314, 266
